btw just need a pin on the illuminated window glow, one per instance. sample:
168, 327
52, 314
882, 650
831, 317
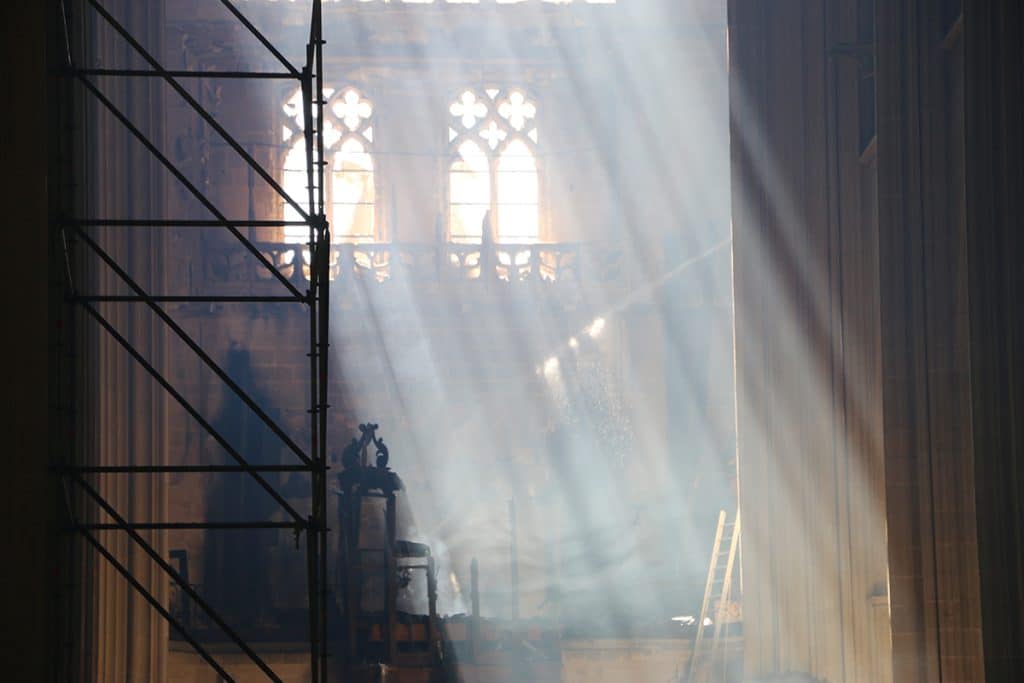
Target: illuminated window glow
469, 192
350, 194
517, 207
493, 140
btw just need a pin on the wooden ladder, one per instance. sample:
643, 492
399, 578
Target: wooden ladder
717, 594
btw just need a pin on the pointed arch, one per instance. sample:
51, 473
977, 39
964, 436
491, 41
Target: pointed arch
469, 192
294, 180
517, 190
353, 193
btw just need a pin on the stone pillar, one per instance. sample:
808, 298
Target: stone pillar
807, 336
993, 125
124, 638
923, 271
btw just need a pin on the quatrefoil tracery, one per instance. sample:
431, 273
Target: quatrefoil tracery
348, 113
494, 116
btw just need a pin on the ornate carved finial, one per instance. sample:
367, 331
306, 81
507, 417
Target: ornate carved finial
356, 453
357, 473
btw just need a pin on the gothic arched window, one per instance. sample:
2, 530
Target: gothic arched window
350, 194
493, 138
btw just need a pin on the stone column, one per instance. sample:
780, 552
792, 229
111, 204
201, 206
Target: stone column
126, 640
927, 425
807, 334
993, 125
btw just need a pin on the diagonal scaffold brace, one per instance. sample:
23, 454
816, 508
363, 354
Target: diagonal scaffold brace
80, 475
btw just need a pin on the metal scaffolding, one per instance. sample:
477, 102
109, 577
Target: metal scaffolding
77, 237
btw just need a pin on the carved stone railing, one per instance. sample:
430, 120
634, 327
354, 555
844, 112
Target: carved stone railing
577, 262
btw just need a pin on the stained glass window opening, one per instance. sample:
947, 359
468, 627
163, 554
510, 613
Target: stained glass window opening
470, 193
493, 175
350, 191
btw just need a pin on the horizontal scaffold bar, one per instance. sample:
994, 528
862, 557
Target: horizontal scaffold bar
185, 469
189, 74
181, 223
196, 525
212, 299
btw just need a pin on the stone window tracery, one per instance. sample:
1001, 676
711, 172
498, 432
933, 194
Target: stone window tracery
492, 137
350, 192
